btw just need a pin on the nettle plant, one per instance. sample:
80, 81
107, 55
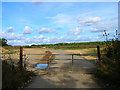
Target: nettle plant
112, 45
112, 51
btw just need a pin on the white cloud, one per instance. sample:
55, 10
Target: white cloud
88, 38
27, 30
61, 20
41, 37
83, 38
103, 26
62, 37
32, 44
55, 39
36, 39
88, 21
93, 19
11, 36
46, 40
10, 29
47, 30
28, 40
16, 42
2, 34
77, 31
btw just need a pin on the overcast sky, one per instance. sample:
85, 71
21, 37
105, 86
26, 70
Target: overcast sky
26, 23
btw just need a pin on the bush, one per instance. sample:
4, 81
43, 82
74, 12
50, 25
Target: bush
109, 68
3, 42
28, 46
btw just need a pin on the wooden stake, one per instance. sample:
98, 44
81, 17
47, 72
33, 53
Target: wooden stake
21, 57
98, 52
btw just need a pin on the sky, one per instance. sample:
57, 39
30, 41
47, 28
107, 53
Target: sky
26, 23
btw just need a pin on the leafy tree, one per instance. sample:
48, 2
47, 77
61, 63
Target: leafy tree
3, 42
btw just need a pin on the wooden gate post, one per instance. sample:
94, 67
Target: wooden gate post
98, 52
72, 62
21, 57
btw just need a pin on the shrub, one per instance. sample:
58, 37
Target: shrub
3, 42
109, 68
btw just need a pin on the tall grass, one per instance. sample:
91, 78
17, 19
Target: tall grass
14, 77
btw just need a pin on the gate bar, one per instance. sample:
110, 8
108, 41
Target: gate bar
65, 54
64, 59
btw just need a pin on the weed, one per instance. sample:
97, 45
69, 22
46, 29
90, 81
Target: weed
14, 77
109, 69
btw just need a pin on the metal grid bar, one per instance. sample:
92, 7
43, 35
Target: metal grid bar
63, 59
65, 54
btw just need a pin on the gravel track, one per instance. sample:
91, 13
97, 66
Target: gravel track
79, 79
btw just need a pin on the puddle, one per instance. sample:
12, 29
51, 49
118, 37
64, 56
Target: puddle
41, 66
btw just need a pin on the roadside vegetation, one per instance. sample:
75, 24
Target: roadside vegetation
14, 77
108, 69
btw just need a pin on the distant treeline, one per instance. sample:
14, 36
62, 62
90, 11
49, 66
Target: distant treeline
70, 45
75, 45
80, 43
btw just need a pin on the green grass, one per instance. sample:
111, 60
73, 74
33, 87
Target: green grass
73, 47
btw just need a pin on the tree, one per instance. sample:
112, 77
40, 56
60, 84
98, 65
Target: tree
3, 42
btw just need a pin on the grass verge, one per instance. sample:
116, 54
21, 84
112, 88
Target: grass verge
13, 77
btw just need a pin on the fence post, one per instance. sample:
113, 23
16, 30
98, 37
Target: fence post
98, 52
72, 62
21, 57
48, 64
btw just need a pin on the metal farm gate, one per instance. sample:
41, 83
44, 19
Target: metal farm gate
51, 65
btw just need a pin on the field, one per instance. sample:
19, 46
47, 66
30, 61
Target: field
87, 51
13, 53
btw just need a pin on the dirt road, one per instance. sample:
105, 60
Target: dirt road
83, 66
78, 79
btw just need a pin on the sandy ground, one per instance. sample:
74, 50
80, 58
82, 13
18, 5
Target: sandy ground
16, 56
79, 79
83, 51
34, 51
65, 80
